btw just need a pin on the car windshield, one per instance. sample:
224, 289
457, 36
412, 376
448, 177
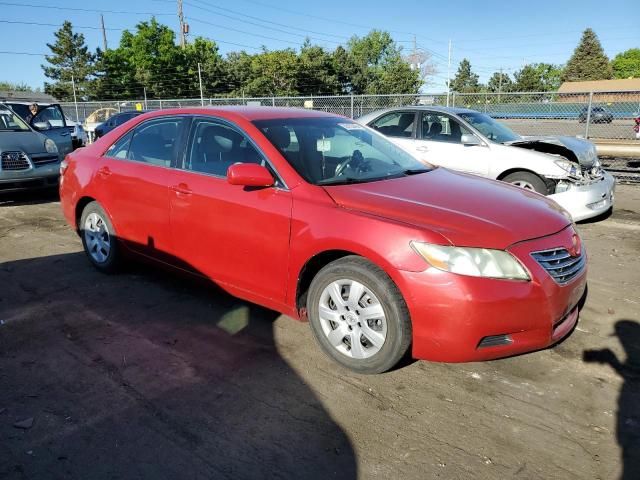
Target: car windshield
490, 128
9, 121
332, 151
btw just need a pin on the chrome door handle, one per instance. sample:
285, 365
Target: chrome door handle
64, 134
104, 172
422, 148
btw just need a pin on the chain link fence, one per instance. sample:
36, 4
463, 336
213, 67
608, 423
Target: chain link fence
597, 115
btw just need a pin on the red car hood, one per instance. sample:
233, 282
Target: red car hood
467, 210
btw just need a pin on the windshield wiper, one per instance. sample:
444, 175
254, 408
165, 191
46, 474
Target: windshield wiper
339, 181
415, 171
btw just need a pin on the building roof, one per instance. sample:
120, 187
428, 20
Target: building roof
13, 95
620, 85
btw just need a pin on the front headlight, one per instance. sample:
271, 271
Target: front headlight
50, 146
569, 167
475, 262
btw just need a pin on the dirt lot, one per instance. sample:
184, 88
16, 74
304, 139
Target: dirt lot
149, 375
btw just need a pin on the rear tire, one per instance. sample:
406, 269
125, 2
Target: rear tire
99, 238
528, 181
358, 315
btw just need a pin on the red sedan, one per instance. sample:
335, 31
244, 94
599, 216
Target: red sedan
320, 218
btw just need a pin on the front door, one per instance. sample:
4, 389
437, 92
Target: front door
439, 142
50, 121
237, 236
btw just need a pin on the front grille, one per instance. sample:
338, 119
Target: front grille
43, 159
14, 161
559, 263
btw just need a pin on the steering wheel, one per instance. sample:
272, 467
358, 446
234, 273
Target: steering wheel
355, 160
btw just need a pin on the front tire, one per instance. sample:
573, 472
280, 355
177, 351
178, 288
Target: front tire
528, 181
358, 315
99, 238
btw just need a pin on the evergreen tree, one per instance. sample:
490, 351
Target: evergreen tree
588, 61
70, 60
465, 80
500, 82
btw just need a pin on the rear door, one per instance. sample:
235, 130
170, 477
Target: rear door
232, 234
51, 122
131, 179
399, 127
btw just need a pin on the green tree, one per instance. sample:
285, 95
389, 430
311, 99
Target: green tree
238, 72
70, 60
205, 53
588, 61
627, 64
500, 82
274, 73
465, 80
317, 75
537, 77
377, 67
16, 87
148, 59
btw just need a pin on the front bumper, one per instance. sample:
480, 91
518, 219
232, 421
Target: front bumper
44, 176
588, 201
452, 315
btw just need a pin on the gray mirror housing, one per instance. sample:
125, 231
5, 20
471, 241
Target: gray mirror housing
41, 125
470, 139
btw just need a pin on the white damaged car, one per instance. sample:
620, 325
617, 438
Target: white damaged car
565, 169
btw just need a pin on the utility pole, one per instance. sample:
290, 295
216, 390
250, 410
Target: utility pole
104, 33
200, 80
183, 26
500, 84
449, 74
75, 100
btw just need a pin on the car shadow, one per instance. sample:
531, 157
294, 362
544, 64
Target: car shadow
29, 197
148, 374
628, 418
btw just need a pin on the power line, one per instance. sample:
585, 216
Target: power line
91, 10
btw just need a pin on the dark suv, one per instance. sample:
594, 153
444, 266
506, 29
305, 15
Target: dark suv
598, 115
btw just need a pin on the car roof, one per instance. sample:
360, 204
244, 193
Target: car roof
431, 108
249, 113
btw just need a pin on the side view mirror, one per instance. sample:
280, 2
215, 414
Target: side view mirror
470, 139
249, 175
41, 125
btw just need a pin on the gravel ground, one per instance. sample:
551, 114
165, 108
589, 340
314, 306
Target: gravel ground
150, 375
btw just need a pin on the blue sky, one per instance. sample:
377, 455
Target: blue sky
492, 34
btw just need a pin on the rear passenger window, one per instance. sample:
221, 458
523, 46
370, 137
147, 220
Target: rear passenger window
396, 124
214, 147
155, 141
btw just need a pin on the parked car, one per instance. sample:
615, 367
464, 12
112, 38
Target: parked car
598, 115
566, 169
28, 159
115, 121
52, 122
320, 218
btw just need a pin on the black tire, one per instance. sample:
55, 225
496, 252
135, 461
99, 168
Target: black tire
398, 336
535, 182
112, 260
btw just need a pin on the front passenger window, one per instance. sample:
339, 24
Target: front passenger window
214, 147
441, 128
